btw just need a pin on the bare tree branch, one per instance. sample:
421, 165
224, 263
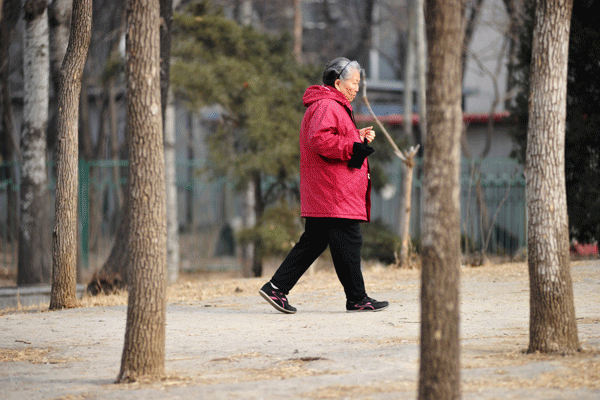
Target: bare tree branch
385, 132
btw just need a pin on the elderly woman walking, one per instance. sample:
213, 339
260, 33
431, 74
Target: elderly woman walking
335, 190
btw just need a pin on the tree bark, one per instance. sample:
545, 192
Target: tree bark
552, 326
439, 373
144, 348
64, 238
34, 264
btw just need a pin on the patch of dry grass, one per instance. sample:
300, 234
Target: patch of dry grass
579, 370
72, 397
104, 300
31, 355
363, 391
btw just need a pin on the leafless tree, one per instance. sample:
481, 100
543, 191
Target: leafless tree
144, 348
64, 238
552, 326
439, 373
407, 158
34, 264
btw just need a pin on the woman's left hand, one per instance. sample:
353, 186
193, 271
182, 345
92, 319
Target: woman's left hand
367, 133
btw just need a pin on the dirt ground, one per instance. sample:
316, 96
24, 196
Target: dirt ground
225, 342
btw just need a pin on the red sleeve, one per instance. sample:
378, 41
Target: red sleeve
330, 131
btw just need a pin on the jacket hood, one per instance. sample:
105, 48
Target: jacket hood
319, 92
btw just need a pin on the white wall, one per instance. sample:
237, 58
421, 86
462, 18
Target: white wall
487, 54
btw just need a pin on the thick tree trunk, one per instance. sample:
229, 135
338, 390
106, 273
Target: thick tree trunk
439, 374
34, 230
144, 348
552, 326
64, 238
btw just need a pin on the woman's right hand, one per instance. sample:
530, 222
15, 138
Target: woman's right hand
367, 133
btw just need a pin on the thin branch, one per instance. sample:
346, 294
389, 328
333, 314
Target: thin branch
403, 156
496, 99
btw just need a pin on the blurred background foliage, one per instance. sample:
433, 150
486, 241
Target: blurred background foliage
258, 86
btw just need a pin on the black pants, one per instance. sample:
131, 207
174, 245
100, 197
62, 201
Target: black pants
345, 241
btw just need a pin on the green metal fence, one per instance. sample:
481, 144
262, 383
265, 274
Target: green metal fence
496, 222
203, 208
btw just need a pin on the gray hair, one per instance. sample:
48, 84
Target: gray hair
339, 68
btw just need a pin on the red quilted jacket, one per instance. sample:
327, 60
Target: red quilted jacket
328, 187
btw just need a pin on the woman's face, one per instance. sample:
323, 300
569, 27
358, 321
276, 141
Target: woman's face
349, 87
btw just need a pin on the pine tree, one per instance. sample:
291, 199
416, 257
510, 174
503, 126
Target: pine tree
258, 84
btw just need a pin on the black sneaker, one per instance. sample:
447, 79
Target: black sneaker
276, 298
366, 304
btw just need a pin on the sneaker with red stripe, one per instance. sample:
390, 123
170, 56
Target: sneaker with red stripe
366, 304
276, 298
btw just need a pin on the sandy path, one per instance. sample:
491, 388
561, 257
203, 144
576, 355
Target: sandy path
225, 342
